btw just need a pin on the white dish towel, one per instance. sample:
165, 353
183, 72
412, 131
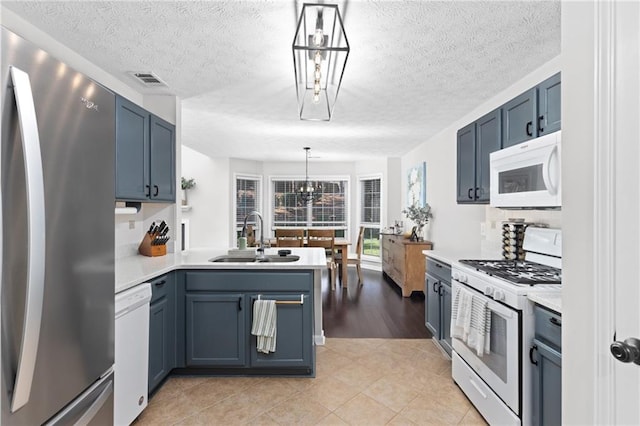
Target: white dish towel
471, 321
264, 325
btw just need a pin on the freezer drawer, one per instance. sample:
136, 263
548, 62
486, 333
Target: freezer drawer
93, 407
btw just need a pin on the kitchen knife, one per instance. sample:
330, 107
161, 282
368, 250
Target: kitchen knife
163, 224
151, 228
166, 230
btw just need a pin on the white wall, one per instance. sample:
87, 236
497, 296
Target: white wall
457, 226
209, 217
579, 322
215, 181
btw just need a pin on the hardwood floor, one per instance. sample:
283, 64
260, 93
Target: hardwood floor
374, 310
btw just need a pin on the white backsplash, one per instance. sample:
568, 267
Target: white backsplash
491, 228
130, 228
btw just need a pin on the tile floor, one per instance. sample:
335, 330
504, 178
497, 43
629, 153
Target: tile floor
358, 382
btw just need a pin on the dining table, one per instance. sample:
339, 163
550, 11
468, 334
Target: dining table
341, 247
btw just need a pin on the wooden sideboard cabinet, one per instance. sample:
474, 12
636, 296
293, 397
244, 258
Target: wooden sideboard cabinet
403, 262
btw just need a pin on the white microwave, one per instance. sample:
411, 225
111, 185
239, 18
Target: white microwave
527, 175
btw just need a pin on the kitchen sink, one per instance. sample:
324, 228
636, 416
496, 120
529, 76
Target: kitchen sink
271, 258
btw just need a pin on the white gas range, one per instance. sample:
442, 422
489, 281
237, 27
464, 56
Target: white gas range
499, 382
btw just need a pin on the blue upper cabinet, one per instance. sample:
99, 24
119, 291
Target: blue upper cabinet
163, 160
534, 113
145, 155
132, 151
520, 118
489, 140
475, 142
549, 105
466, 163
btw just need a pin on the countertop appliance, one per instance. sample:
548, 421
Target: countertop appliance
57, 258
527, 175
132, 353
499, 383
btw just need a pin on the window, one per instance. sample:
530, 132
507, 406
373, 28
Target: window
330, 209
247, 198
370, 215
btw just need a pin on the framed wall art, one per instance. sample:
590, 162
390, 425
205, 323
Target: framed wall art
417, 185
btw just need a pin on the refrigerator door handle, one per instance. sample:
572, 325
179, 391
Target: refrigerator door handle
36, 238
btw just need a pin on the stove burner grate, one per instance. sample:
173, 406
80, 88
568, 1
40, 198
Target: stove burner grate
518, 271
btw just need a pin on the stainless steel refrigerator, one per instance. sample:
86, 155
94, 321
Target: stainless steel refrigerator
57, 259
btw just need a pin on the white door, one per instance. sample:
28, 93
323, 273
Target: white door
601, 209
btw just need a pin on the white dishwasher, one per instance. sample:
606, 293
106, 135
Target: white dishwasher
131, 353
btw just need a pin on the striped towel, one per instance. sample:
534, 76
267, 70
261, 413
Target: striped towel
264, 325
471, 321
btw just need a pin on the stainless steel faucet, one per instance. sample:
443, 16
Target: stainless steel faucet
260, 250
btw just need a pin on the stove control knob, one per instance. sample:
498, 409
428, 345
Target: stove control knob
488, 291
498, 295
456, 276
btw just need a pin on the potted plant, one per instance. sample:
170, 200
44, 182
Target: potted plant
186, 184
420, 216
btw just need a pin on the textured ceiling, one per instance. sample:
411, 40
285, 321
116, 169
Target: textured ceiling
414, 67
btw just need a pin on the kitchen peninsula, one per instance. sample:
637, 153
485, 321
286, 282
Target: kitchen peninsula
205, 299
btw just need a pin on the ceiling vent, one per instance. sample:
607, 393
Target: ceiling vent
148, 79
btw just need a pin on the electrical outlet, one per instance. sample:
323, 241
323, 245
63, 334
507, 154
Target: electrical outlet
132, 224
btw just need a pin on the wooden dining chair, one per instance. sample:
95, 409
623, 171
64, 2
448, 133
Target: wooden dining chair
289, 237
251, 236
355, 258
325, 238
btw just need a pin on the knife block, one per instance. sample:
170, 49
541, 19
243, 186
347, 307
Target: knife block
146, 249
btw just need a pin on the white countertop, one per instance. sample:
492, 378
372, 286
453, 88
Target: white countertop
552, 300
452, 256
133, 270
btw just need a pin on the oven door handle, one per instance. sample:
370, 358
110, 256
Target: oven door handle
500, 309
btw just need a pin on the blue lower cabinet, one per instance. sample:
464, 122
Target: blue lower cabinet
215, 330
432, 304
545, 355
547, 385
294, 339
162, 329
218, 315
445, 332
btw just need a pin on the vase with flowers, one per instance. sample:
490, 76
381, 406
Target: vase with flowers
420, 217
186, 185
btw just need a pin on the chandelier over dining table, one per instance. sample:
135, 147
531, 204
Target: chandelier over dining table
320, 52
307, 193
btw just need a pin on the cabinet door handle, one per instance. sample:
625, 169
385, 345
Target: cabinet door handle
440, 292
555, 321
469, 193
533, 348
530, 128
240, 304
540, 121
157, 190
475, 193
435, 284
148, 190
160, 283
